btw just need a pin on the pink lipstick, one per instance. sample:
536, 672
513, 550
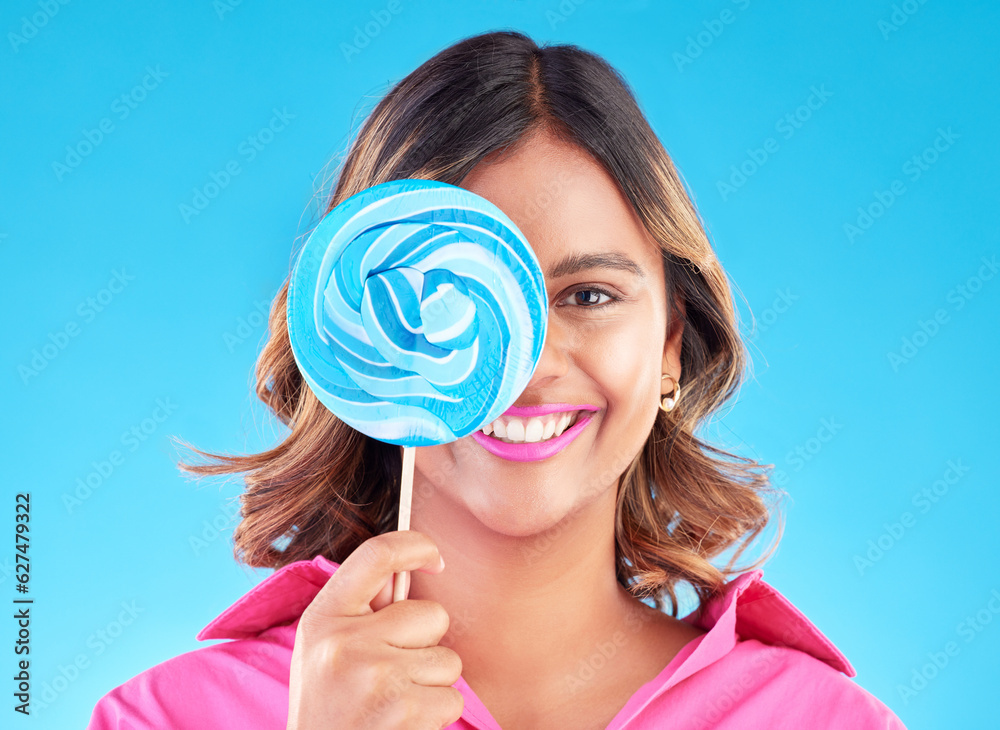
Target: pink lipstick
540, 449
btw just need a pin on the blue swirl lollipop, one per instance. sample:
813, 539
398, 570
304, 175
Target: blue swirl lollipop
417, 312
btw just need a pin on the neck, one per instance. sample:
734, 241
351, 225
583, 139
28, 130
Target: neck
520, 605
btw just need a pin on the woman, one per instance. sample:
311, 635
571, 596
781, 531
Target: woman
527, 606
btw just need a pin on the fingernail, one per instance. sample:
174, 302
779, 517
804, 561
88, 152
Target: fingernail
441, 562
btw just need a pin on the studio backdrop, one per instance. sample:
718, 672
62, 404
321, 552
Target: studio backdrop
162, 161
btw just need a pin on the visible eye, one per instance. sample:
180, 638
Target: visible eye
589, 297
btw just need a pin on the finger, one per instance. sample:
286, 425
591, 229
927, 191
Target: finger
388, 592
426, 708
434, 666
383, 598
365, 572
443, 705
411, 624
420, 708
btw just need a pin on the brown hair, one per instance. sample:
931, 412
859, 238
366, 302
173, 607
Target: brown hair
327, 488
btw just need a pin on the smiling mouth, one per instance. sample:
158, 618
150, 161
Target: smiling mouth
573, 424
537, 429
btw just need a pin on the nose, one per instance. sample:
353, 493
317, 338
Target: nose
555, 359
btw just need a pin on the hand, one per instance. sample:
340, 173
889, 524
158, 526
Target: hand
362, 661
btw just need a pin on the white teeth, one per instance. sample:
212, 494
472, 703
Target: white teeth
530, 430
563, 422
533, 431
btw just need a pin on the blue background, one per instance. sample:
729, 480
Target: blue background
856, 434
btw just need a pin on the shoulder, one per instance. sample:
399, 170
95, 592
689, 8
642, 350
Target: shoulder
762, 663
234, 684
809, 691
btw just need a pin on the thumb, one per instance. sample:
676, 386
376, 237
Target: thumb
384, 597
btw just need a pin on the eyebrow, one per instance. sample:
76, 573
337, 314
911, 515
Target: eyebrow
580, 262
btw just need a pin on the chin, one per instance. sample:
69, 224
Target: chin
521, 512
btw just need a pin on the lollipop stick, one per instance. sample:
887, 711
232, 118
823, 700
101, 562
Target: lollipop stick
405, 496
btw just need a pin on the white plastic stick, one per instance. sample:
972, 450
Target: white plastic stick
400, 580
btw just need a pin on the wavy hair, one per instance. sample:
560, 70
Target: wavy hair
326, 488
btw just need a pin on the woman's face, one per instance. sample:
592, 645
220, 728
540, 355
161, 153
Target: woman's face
606, 344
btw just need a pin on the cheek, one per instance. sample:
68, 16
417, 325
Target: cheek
436, 466
625, 361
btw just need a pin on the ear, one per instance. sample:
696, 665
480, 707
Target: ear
672, 347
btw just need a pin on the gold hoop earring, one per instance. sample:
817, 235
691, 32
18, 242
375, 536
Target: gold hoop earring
669, 401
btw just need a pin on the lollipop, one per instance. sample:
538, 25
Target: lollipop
417, 314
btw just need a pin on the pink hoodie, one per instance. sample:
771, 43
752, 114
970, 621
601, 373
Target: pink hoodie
761, 664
